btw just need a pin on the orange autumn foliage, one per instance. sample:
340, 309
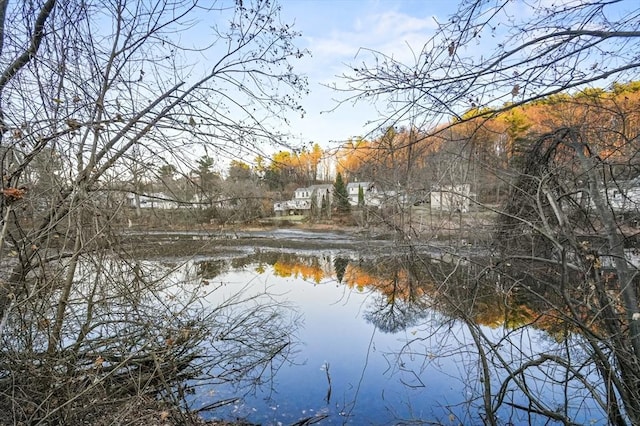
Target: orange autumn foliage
298, 269
300, 166
397, 283
13, 194
609, 120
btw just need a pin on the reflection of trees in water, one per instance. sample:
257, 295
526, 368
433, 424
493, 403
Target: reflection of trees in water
393, 315
340, 266
511, 368
515, 348
209, 269
308, 267
135, 331
488, 322
404, 286
399, 297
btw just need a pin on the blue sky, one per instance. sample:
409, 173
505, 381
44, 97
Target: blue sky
334, 31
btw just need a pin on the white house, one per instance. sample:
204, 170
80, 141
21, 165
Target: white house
451, 198
291, 207
625, 196
302, 194
321, 193
218, 201
369, 190
621, 196
157, 200
304, 200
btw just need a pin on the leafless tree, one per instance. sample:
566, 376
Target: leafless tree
93, 87
563, 239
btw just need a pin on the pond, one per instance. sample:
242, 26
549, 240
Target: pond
345, 368
381, 340
290, 328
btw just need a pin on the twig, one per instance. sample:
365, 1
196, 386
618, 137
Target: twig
326, 370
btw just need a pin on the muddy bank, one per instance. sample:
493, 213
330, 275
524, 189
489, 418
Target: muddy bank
354, 242
211, 243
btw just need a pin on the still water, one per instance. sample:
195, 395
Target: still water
374, 347
367, 383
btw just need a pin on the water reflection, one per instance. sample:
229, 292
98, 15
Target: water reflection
403, 287
415, 339
119, 335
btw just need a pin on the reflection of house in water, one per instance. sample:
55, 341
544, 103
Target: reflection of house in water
453, 198
305, 200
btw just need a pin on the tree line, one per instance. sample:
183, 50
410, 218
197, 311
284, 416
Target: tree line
483, 147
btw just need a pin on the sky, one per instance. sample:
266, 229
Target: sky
335, 31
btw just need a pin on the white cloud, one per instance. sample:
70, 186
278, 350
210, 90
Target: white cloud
391, 33
395, 28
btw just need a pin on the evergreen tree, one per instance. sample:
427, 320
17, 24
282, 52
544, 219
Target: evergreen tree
340, 265
340, 193
360, 196
324, 207
316, 208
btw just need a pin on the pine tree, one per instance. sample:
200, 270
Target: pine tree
360, 196
324, 207
340, 193
340, 265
